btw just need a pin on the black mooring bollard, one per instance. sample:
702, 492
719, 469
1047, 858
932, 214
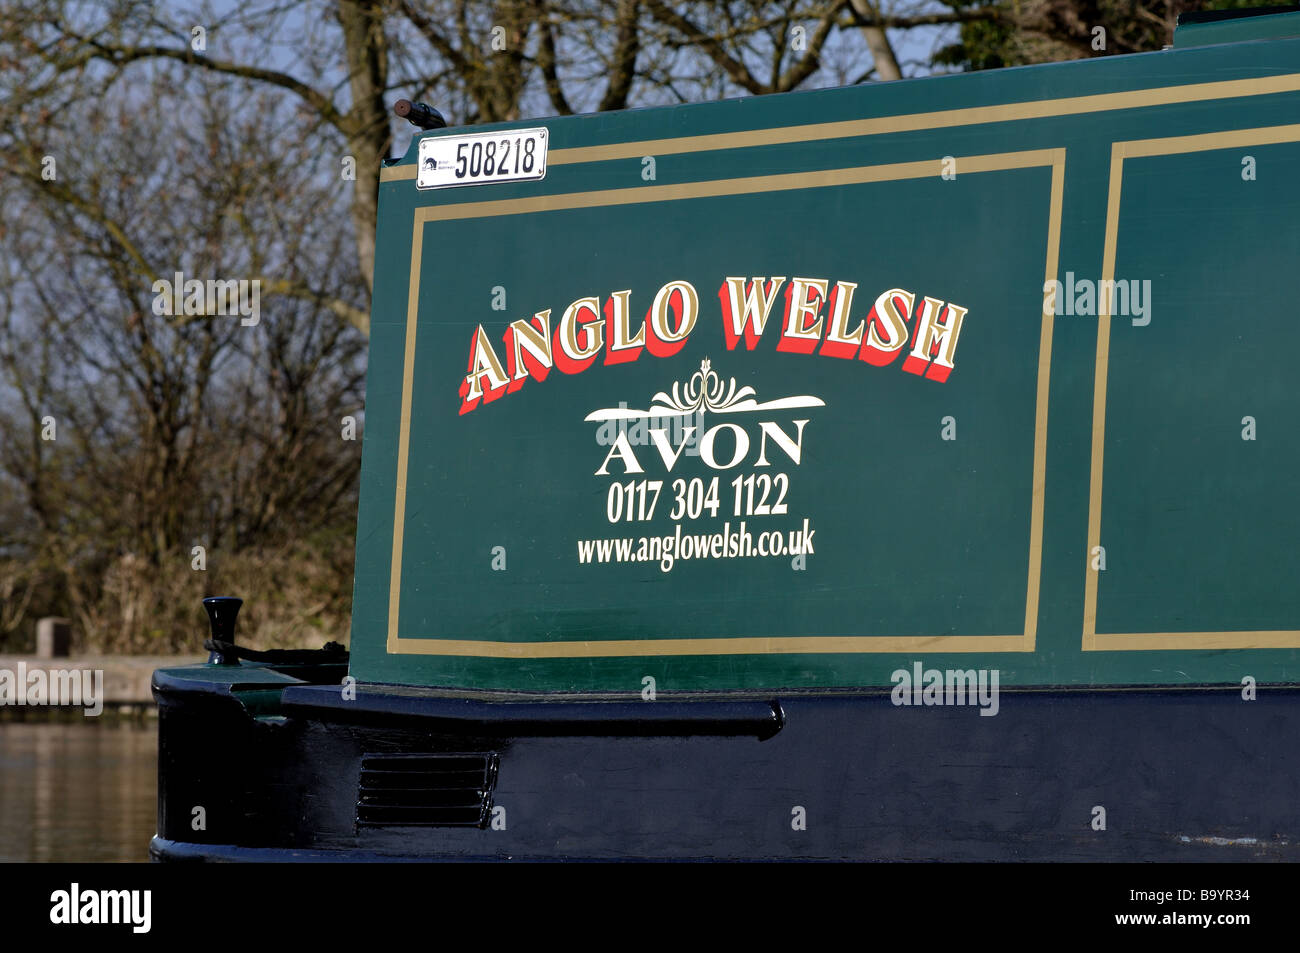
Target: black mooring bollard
222, 612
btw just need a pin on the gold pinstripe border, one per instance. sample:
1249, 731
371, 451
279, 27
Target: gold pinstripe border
1023, 642
1093, 641
916, 122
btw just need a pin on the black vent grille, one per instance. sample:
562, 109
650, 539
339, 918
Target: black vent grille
426, 790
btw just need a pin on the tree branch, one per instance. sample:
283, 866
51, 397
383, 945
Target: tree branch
735, 69
811, 60
546, 62
627, 46
121, 55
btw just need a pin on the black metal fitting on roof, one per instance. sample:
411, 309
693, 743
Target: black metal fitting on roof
418, 114
222, 612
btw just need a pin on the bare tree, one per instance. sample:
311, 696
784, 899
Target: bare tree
135, 433
341, 63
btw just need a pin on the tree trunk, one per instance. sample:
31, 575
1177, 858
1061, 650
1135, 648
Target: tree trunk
882, 54
369, 131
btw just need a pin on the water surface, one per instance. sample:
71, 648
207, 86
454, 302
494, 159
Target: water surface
79, 790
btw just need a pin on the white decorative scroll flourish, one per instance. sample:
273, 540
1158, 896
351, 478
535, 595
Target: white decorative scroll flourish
704, 391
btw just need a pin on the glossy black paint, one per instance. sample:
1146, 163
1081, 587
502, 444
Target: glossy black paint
1195, 774
222, 612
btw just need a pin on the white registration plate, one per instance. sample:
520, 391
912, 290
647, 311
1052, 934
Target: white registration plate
480, 158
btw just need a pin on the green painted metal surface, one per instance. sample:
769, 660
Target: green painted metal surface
953, 520
1238, 29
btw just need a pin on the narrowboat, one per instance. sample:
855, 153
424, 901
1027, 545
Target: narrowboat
895, 472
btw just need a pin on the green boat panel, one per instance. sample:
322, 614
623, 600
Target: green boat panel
788, 393
1231, 27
